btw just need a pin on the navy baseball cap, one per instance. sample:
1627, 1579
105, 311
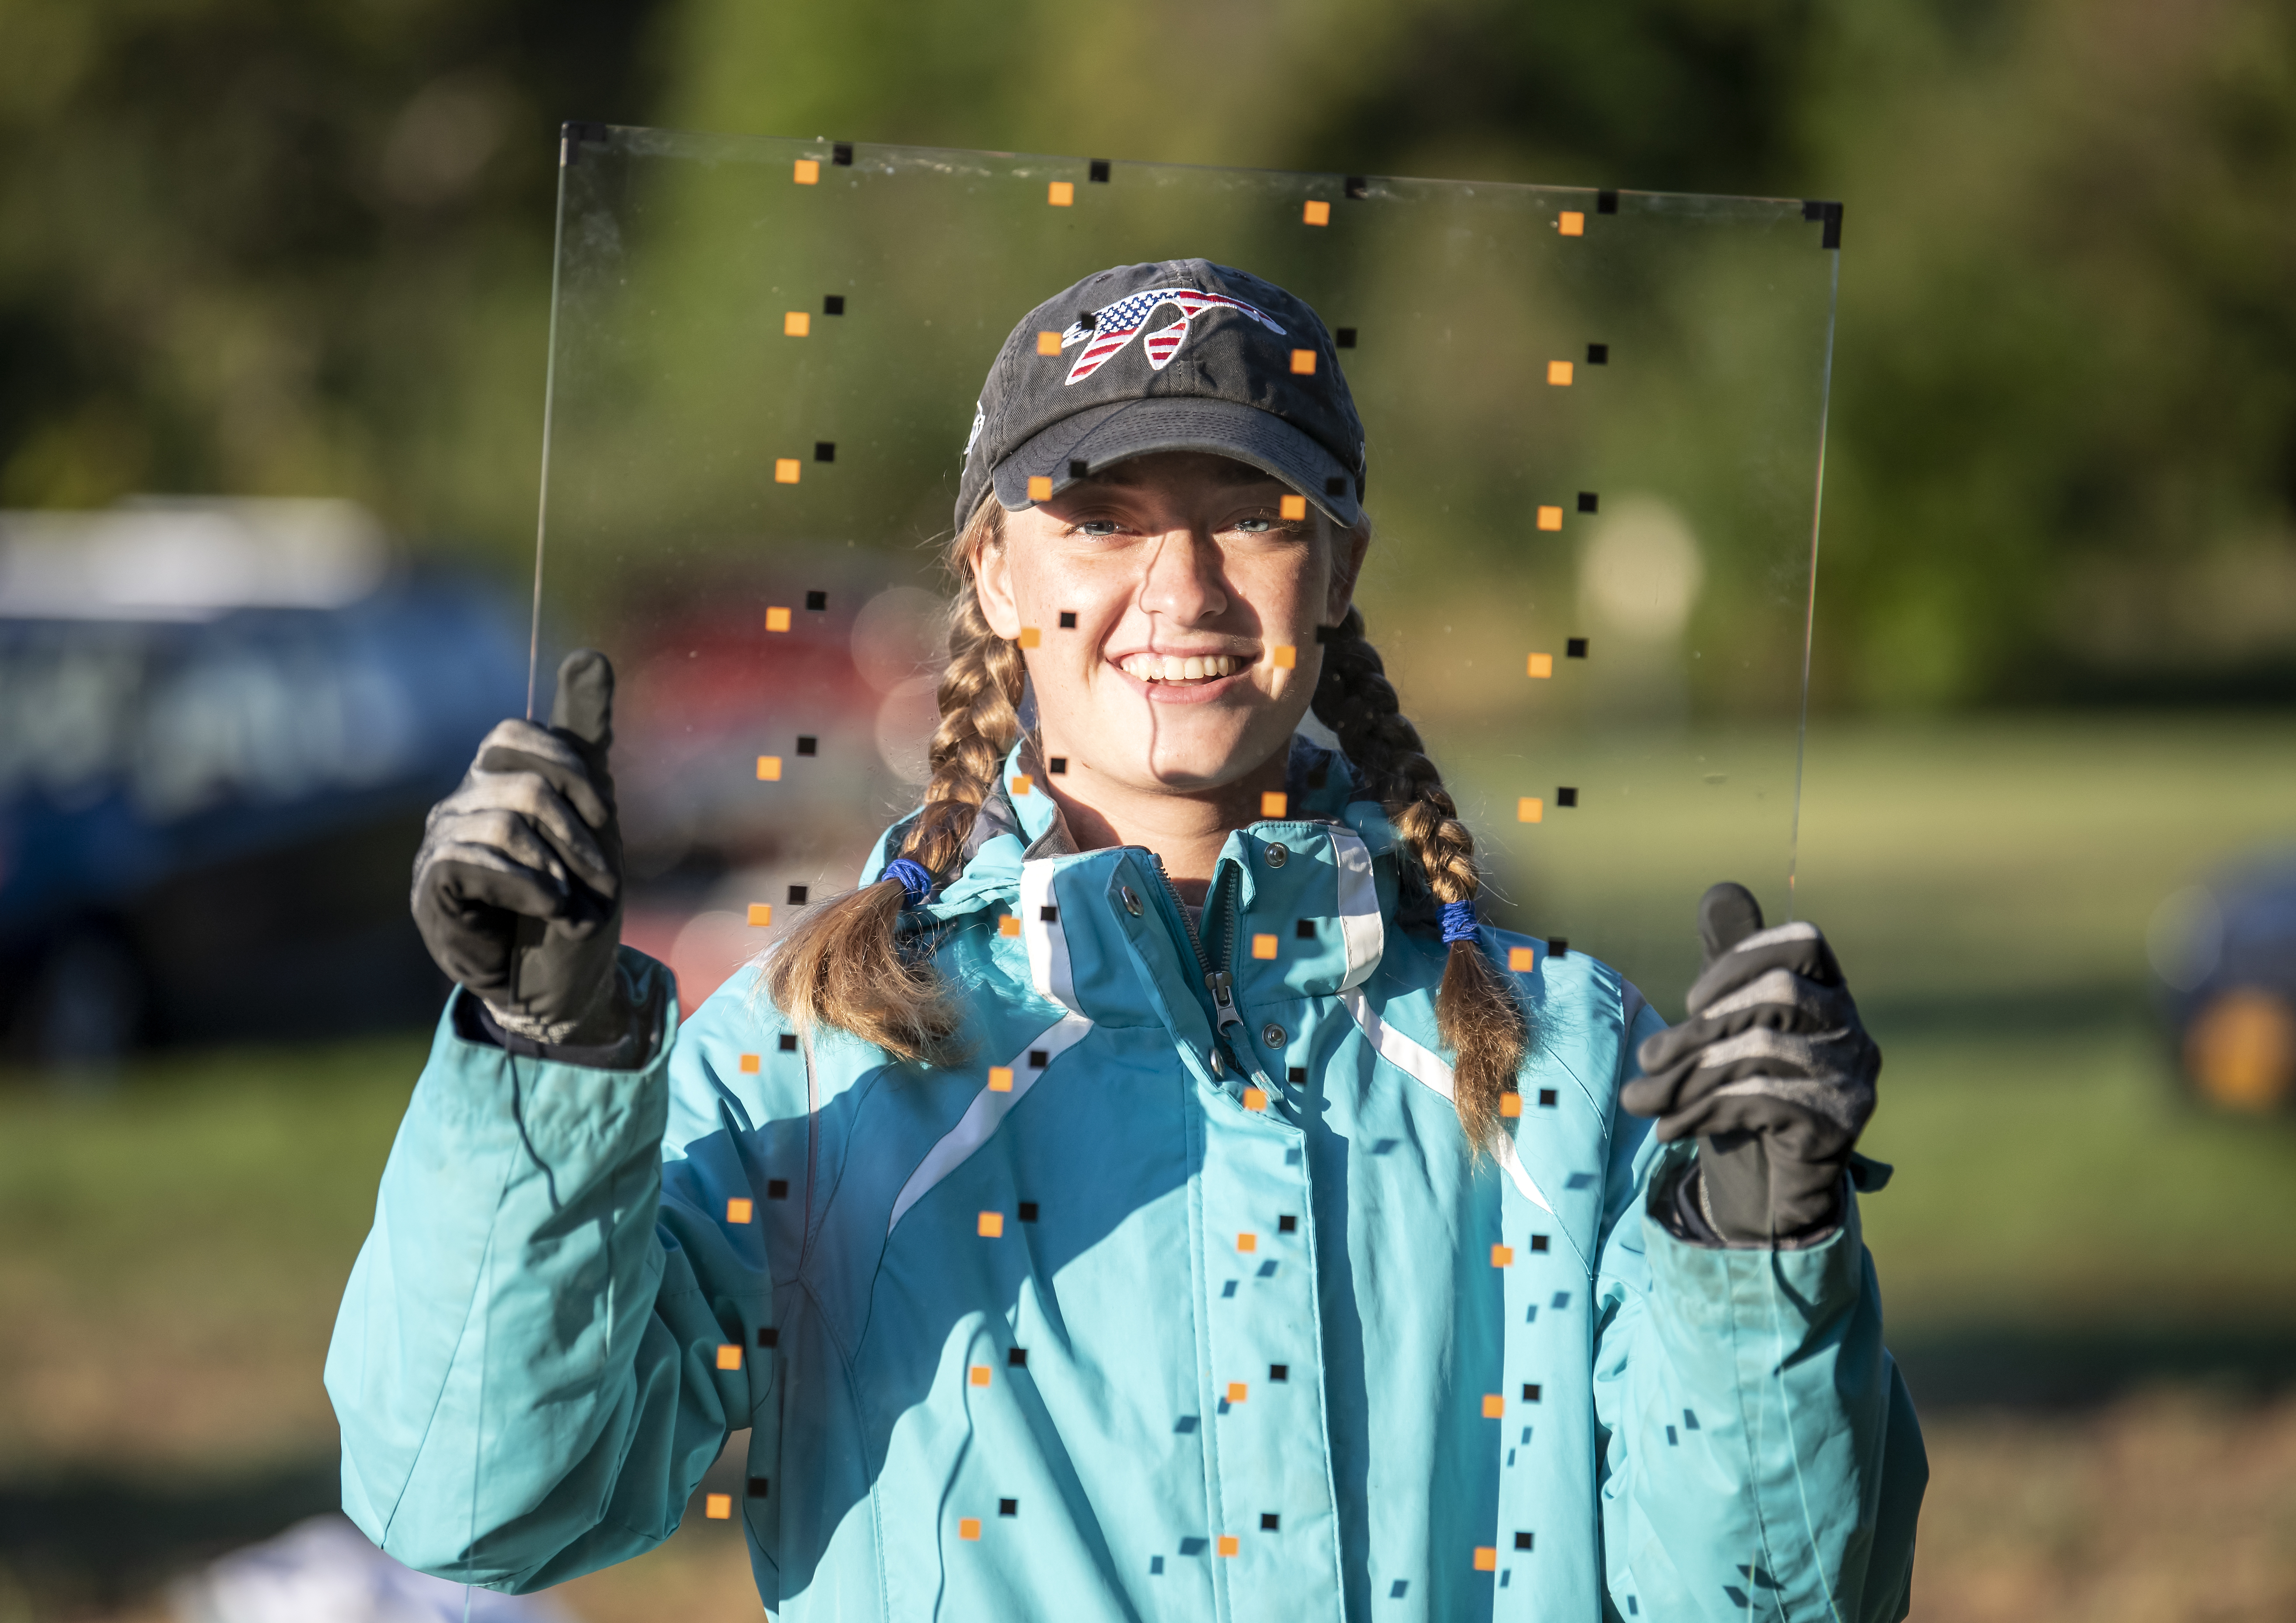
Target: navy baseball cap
1182, 355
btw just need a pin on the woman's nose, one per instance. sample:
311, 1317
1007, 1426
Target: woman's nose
1183, 579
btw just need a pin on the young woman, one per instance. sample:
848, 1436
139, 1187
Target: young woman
1150, 1194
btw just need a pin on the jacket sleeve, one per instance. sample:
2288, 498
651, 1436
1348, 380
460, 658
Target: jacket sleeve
525, 1365
1759, 1452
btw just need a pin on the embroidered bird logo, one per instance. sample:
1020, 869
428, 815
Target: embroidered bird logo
1114, 325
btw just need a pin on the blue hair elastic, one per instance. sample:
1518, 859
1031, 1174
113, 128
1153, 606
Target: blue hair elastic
916, 882
1459, 921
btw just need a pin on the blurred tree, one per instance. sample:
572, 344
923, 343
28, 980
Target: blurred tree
258, 246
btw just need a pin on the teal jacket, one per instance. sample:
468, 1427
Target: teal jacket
1157, 1307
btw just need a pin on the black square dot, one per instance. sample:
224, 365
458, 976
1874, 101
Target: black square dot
1305, 930
1017, 1358
797, 895
1068, 620
1027, 1211
1566, 796
840, 153
767, 1336
1546, 1097
1279, 1372
1327, 634
807, 744
1558, 946
1344, 337
816, 602
1574, 648
1320, 774
1058, 766
1335, 486
757, 1485
1598, 355
1100, 171
778, 1189
789, 1042
1358, 186
824, 450
833, 305
1038, 1059
1539, 1242
1589, 502
1269, 1521
1530, 1391
1522, 1541
1287, 1225
1297, 1076
1048, 914
1078, 468
1008, 1507
1606, 202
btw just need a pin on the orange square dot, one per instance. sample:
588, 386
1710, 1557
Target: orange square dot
1228, 1546
1558, 372
1040, 487
769, 769
1247, 1243
797, 323
968, 1528
1541, 665
808, 172
1031, 637
992, 1226
1292, 506
1303, 363
1318, 212
1510, 1104
777, 619
1060, 193
786, 469
729, 1356
1264, 946
1000, 1079
1487, 1558
1494, 1406
1275, 803
761, 914
1049, 343
1530, 808
1521, 959
1255, 1098
1007, 925
752, 1064
1237, 1391
1022, 782
1284, 657
980, 1374
1550, 518
717, 1507
1572, 224
739, 1209
1501, 1256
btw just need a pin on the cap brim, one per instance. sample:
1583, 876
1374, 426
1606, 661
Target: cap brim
1100, 437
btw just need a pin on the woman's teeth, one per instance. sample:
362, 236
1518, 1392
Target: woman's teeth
1173, 667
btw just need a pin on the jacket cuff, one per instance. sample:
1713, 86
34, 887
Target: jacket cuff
646, 988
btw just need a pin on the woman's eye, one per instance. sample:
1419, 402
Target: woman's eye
1097, 526
1255, 526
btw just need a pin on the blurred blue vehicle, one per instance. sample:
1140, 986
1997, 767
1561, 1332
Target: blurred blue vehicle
220, 725
2225, 952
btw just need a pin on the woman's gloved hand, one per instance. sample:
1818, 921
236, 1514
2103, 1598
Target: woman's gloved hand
518, 886
1772, 1071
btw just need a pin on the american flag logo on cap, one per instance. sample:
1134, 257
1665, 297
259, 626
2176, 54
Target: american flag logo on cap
1113, 326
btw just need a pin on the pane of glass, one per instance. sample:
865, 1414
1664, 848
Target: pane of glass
1595, 427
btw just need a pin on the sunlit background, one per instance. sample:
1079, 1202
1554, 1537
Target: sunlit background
274, 300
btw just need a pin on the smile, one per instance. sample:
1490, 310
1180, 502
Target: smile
1176, 668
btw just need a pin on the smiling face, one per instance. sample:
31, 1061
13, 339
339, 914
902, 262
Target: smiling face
1184, 581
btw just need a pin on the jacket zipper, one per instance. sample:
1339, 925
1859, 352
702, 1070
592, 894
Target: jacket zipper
1217, 981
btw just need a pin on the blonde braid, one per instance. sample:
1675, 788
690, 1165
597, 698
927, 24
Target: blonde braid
1476, 1013
842, 966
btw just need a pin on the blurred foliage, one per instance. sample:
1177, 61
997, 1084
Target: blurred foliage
260, 248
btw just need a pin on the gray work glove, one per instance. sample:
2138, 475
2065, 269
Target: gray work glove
1772, 1071
518, 886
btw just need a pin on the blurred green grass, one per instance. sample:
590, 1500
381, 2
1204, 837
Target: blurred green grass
172, 1248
